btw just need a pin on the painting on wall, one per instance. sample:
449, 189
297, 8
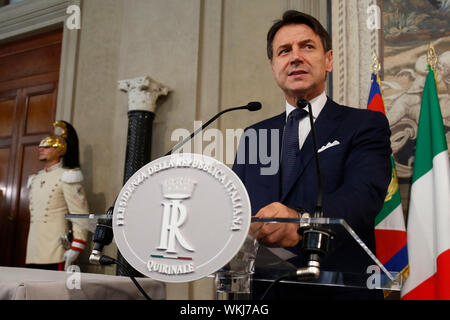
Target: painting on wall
408, 29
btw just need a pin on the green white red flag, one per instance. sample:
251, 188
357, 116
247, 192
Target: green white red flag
428, 227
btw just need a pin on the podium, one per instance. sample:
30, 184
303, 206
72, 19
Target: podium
255, 268
259, 272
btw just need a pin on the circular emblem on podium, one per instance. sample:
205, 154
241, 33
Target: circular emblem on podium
181, 217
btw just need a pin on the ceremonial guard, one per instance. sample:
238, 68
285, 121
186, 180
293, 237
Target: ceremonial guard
54, 192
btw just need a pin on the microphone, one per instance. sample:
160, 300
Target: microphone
254, 106
103, 232
103, 236
251, 106
316, 239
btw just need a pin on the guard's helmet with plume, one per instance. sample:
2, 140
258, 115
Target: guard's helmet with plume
65, 142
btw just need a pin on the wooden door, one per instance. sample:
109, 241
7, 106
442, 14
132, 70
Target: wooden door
29, 72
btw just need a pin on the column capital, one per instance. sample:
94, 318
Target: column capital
142, 92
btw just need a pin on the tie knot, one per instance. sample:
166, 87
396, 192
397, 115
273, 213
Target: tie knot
298, 114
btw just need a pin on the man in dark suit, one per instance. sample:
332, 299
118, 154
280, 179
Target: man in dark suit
354, 150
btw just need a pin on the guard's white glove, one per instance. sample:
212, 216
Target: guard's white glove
69, 257
72, 254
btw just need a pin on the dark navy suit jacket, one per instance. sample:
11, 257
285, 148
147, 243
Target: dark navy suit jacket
355, 176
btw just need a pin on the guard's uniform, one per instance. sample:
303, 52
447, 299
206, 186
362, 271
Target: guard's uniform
53, 193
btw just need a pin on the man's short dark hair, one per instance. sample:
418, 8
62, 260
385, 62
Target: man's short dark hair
295, 17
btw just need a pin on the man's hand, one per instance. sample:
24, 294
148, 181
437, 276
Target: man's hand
276, 234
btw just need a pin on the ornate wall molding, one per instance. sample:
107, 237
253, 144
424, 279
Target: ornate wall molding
317, 9
143, 93
30, 16
353, 44
33, 17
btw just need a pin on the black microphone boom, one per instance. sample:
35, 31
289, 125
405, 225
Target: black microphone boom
302, 103
316, 239
251, 106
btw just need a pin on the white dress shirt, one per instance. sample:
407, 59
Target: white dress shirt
304, 126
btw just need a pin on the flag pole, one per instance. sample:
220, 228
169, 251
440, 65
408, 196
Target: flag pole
376, 66
432, 60
432, 57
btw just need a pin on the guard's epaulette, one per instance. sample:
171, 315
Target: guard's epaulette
72, 176
30, 180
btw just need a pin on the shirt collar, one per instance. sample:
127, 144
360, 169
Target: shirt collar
55, 166
317, 105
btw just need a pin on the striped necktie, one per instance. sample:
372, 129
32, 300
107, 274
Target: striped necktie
290, 144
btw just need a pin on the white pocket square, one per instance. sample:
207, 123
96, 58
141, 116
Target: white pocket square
329, 145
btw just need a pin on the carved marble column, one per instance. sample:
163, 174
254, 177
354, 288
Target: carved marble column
353, 44
143, 93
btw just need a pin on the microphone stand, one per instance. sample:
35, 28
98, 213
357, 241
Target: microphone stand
316, 239
103, 232
103, 236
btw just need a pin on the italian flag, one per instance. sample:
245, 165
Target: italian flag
390, 231
429, 207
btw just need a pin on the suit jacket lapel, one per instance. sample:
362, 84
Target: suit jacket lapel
324, 126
